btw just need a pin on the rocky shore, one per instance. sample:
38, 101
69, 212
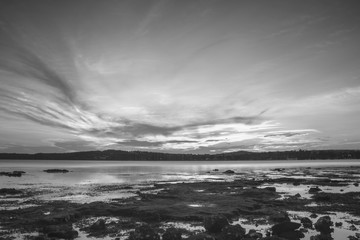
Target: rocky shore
12, 174
306, 205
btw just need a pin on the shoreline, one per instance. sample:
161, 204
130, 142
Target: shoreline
256, 199
162, 156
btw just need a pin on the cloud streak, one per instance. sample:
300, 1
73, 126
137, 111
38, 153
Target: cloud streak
17, 59
180, 76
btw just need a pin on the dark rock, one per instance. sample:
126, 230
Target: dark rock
253, 234
229, 172
322, 197
215, 223
98, 226
149, 217
64, 231
314, 190
352, 228
321, 237
30, 237
56, 170
323, 225
12, 174
271, 189
172, 234
215, 170
283, 227
292, 235
313, 215
338, 224
232, 232
279, 217
10, 191
297, 195
201, 236
144, 232
307, 223
273, 238
296, 183
356, 184
352, 238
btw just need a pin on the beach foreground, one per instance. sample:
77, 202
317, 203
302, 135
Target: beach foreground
278, 203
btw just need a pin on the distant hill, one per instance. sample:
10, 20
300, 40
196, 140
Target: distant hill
156, 156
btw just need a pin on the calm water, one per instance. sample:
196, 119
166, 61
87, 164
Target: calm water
142, 172
90, 181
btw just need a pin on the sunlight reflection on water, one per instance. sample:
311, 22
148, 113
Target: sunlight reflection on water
78, 184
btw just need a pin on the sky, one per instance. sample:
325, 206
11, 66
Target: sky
189, 76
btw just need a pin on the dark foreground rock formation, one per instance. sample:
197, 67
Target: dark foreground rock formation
215, 209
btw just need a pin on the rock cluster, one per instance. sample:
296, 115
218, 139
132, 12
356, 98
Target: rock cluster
9, 191
313, 190
144, 232
214, 224
64, 231
12, 174
172, 234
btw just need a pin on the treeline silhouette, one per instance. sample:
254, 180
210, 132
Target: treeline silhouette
157, 156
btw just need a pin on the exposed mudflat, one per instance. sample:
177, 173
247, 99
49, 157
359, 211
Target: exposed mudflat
256, 200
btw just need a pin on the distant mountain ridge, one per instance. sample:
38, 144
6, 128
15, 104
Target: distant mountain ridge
157, 156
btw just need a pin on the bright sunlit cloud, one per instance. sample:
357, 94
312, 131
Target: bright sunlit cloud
178, 76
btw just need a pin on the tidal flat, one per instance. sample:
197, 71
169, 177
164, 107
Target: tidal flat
286, 200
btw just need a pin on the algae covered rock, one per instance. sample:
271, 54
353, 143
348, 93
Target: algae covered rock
307, 223
215, 223
314, 190
323, 225
144, 232
232, 232
9, 191
283, 227
292, 235
253, 234
321, 237
201, 236
64, 231
271, 189
279, 217
98, 226
172, 234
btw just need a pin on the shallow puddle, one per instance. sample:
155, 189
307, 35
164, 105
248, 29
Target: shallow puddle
260, 225
339, 232
194, 227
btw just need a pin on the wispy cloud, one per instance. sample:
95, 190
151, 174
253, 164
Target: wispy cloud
199, 76
18, 59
